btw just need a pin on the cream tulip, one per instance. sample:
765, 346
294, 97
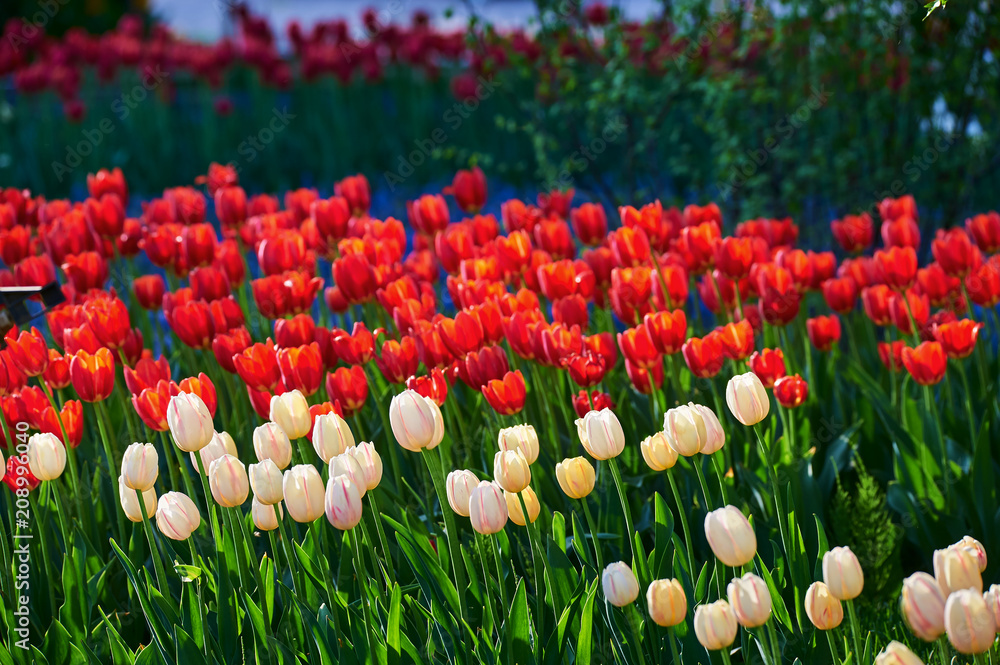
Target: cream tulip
343, 502
691, 429
922, 605
992, 598
657, 453
416, 421
331, 436
459, 486
842, 573
229, 481
576, 477
345, 465
221, 444
730, 536
666, 602
715, 625
957, 568
750, 600
370, 462
975, 548
271, 442
130, 502
514, 506
265, 516
140, 466
511, 470
46, 456
190, 422
266, 482
969, 624
824, 611
302, 487
176, 516
619, 584
715, 436
602, 435
747, 398
291, 411
897, 654
520, 437
487, 508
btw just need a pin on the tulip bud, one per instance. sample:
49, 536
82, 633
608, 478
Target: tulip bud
370, 461
271, 442
229, 482
140, 466
511, 470
265, 516
459, 486
750, 600
221, 444
416, 421
747, 398
176, 515
130, 502
715, 625
487, 508
514, 506
897, 654
969, 624
520, 437
657, 452
266, 481
302, 487
842, 573
576, 477
343, 502
331, 436
922, 604
619, 584
190, 423
957, 568
692, 428
992, 598
291, 411
730, 536
601, 434
46, 456
824, 611
666, 602
345, 465
975, 548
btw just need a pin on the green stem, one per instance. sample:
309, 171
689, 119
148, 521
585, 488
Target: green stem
433, 461
943, 650
632, 617
724, 652
201, 605
98, 408
365, 599
487, 600
537, 556
696, 463
161, 576
383, 543
593, 535
629, 527
684, 524
855, 629
833, 647
672, 641
945, 467
722, 478
503, 588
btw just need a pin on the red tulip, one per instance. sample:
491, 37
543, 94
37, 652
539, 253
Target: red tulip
644, 380
586, 369
590, 224
28, 351
985, 230
668, 330
469, 189
105, 181
768, 365
901, 232
553, 237
791, 391
34, 271
226, 345
105, 215
14, 244
983, 284
348, 386
892, 354
875, 300
257, 365
19, 476
301, 368
355, 278
297, 331
93, 376
630, 292
479, 368
840, 294
56, 375
779, 307
149, 291
697, 245
428, 214
287, 294
926, 363
331, 217
903, 318
356, 348
198, 242
209, 283
193, 323
737, 339
904, 206
630, 247
398, 360
955, 252
229, 260
151, 405
355, 189
461, 335
199, 385
704, 356
675, 279
71, 416
108, 318
824, 331
555, 342
650, 218
433, 386
853, 232
958, 338
86, 270
734, 256
230, 206
146, 374
942, 290
556, 202
506, 395
582, 403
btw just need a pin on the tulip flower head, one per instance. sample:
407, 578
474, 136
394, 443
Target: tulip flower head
715, 625
747, 398
842, 573
302, 487
514, 505
459, 486
221, 444
488, 508
666, 602
693, 428
520, 437
130, 502
370, 462
750, 600
46, 456
265, 516
229, 482
177, 516
730, 536
601, 434
619, 584
139, 466
190, 422
922, 606
824, 611
968, 622
331, 436
576, 477
957, 568
266, 482
271, 442
975, 548
342, 502
345, 465
416, 421
897, 654
657, 453
291, 412
511, 470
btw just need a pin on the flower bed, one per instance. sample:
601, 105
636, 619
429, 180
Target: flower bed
226, 380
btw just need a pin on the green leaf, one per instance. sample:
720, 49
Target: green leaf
701, 587
559, 530
663, 529
562, 576
584, 640
392, 625
777, 601
58, 646
580, 542
186, 572
823, 546
188, 650
120, 653
519, 626
159, 635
